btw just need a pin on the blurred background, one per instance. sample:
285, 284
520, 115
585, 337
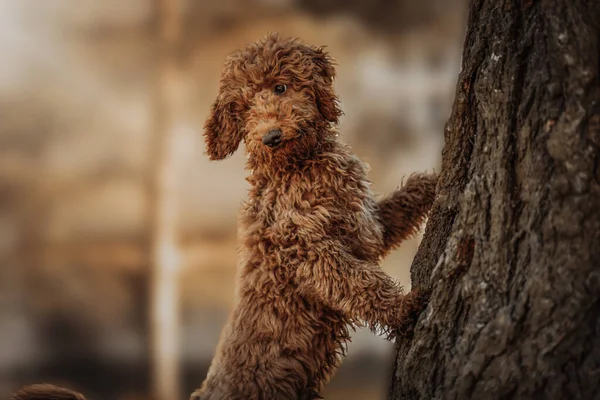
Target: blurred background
117, 235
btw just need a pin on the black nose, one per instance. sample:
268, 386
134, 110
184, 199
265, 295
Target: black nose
272, 138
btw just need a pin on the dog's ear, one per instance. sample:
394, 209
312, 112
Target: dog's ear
222, 130
327, 101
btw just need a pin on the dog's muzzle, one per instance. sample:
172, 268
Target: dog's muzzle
272, 138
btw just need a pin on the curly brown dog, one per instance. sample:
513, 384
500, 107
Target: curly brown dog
46, 392
312, 232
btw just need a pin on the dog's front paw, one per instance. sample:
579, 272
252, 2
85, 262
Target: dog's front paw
421, 186
197, 395
409, 310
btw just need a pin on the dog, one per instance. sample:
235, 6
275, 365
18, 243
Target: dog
312, 232
46, 392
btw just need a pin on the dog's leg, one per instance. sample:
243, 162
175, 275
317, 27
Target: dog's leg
403, 212
362, 292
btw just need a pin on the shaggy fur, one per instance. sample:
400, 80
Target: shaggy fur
312, 233
46, 392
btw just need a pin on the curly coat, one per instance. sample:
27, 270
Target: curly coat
312, 233
46, 392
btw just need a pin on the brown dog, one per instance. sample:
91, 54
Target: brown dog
312, 232
46, 392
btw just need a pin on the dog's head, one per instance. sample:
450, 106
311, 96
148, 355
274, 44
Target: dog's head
277, 95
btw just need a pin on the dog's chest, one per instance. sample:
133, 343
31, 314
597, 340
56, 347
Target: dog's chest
282, 216
277, 211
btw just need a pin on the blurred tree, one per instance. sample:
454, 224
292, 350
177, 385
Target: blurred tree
164, 321
512, 249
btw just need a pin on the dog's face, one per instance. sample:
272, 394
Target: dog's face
276, 95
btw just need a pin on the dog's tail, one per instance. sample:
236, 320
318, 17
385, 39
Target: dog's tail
46, 392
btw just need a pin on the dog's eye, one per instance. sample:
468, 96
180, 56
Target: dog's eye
279, 89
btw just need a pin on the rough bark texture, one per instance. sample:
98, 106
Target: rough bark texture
512, 249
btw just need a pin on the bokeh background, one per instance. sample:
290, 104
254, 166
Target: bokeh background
117, 235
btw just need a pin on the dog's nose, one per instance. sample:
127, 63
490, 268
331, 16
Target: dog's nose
272, 138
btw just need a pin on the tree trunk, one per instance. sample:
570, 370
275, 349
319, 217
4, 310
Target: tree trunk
165, 373
512, 248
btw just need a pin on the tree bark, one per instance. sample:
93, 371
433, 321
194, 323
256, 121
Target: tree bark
512, 248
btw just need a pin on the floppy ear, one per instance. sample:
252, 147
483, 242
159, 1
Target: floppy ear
222, 131
327, 101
